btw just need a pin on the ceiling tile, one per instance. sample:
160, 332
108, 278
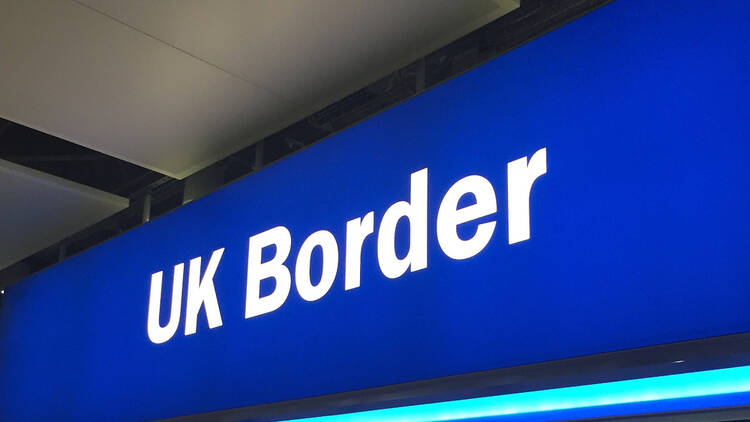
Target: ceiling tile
76, 74
39, 210
175, 85
307, 51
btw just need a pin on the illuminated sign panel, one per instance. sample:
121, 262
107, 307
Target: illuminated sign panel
587, 192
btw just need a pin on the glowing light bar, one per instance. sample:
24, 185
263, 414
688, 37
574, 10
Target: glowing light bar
679, 386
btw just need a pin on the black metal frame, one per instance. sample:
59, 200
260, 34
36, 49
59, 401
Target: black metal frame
674, 358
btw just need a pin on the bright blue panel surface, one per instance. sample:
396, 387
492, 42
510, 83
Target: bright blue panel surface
639, 235
725, 387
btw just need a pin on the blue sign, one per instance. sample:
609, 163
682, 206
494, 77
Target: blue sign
585, 193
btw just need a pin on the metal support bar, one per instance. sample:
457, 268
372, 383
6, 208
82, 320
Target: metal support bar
146, 208
62, 252
202, 183
421, 73
258, 155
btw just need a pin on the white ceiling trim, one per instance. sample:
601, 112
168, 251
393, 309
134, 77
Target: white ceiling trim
40, 209
16, 171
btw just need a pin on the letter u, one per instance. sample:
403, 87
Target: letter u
156, 333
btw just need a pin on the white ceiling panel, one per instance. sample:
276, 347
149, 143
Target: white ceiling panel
69, 71
175, 85
39, 210
305, 50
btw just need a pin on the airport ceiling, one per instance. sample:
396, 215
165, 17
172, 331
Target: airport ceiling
107, 105
174, 86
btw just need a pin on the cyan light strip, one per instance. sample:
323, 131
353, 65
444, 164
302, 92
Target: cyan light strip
679, 386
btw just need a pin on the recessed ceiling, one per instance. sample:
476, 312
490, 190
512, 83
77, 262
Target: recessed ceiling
39, 210
176, 85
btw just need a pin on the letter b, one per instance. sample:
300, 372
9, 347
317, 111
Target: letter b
257, 271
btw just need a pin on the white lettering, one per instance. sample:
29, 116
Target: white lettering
201, 292
275, 268
416, 212
356, 232
325, 240
521, 177
449, 216
156, 333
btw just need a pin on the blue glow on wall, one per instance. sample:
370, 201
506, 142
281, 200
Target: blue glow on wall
669, 387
